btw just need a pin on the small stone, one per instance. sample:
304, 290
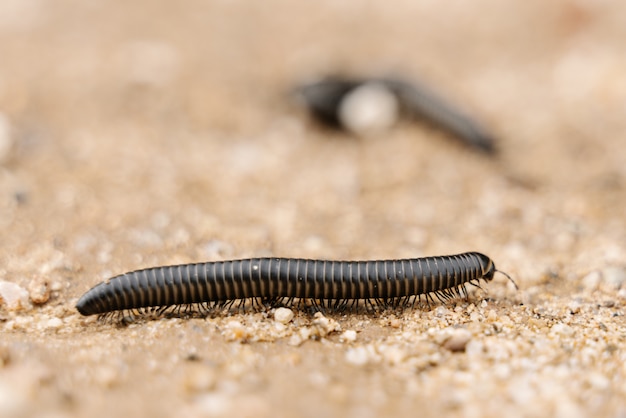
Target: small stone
307, 332
39, 291
325, 325
458, 340
13, 297
235, 331
295, 340
54, 323
348, 336
475, 316
395, 323
283, 315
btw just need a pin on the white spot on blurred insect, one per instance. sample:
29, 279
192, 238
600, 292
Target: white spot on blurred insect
369, 109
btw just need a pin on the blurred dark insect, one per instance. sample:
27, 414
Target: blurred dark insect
371, 105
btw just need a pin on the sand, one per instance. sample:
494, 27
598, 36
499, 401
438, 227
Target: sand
154, 133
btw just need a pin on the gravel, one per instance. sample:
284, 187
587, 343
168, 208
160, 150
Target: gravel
141, 143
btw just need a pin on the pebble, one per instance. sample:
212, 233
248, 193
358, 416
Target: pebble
54, 323
235, 331
348, 336
13, 297
295, 340
39, 291
459, 337
283, 315
325, 325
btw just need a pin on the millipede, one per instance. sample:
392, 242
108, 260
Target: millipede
326, 100
325, 284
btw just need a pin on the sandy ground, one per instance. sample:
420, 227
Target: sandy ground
154, 133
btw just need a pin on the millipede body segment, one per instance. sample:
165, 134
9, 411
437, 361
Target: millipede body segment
333, 284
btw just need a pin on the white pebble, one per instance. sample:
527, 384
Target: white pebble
39, 291
296, 340
348, 336
54, 323
235, 331
13, 297
325, 325
458, 340
283, 315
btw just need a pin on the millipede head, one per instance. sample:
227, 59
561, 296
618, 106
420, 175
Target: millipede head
488, 267
490, 270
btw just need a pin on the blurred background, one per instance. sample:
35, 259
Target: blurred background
154, 132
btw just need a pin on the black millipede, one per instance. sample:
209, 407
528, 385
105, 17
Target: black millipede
202, 287
326, 98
